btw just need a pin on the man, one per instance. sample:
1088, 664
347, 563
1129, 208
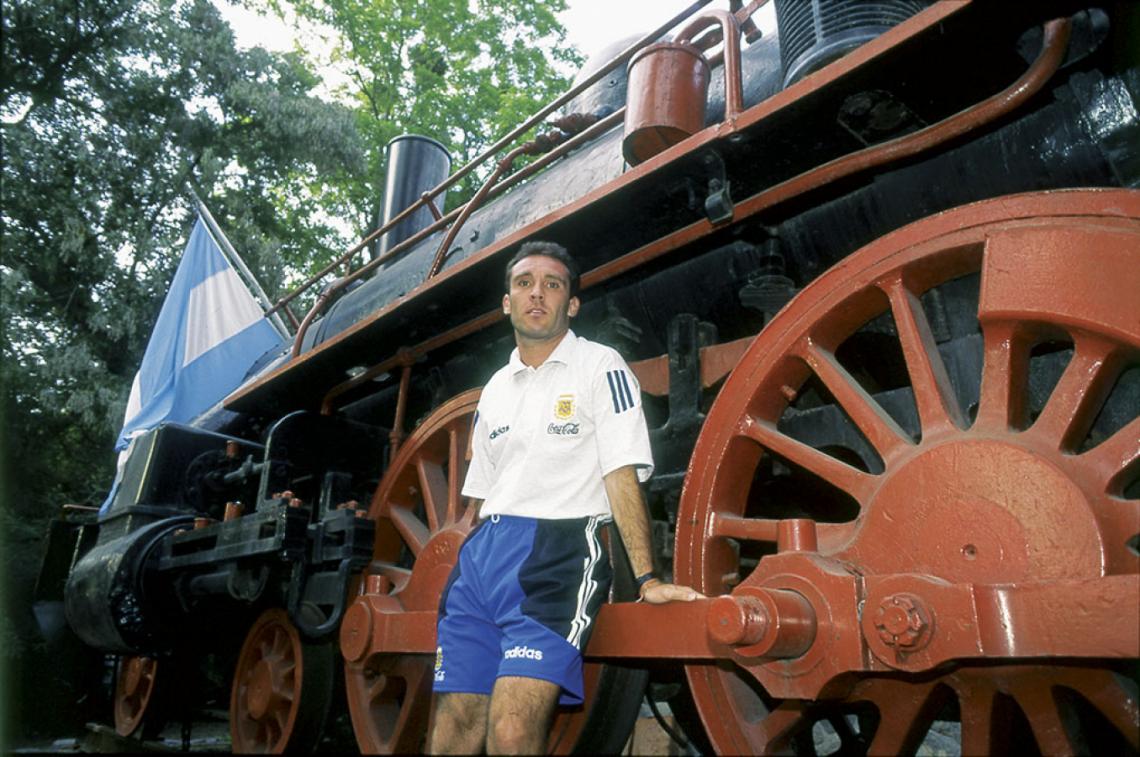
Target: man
559, 444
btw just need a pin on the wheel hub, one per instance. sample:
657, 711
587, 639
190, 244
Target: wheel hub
979, 511
260, 690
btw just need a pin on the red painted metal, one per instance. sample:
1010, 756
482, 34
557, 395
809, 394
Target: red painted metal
1009, 99
983, 541
396, 435
668, 86
266, 697
134, 687
388, 633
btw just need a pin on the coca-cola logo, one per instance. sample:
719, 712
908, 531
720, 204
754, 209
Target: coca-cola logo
562, 429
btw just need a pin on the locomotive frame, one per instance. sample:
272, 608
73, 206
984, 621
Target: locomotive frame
912, 500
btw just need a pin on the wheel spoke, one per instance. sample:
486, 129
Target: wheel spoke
905, 717
1106, 694
1044, 717
771, 733
977, 718
1118, 520
933, 394
1115, 457
1079, 395
455, 470
1005, 378
434, 487
377, 687
397, 575
841, 475
280, 717
411, 528
881, 430
411, 721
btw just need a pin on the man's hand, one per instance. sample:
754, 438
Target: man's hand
656, 592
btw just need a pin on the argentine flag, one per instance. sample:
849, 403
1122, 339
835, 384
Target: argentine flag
209, 332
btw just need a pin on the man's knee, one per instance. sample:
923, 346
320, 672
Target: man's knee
521, 709
464, 710
458, 723
512, 734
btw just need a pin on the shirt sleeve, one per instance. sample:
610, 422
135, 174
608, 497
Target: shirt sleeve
619, 421
480, 473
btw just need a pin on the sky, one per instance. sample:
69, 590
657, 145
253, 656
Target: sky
590, 24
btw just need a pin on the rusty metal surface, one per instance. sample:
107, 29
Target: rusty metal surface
997, 539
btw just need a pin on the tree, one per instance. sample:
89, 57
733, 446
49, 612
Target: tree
464, 72
110, 111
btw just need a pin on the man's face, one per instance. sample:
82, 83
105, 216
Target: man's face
539, 302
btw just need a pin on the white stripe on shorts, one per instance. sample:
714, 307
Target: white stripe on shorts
589, 586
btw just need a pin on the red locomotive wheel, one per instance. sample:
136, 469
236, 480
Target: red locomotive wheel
134, 686
1005, 451
421, 521
282, 688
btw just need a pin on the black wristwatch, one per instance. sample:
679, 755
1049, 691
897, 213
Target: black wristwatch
643, 579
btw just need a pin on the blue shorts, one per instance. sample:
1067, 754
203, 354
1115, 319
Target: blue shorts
521, 601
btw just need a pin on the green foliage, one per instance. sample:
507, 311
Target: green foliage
111, 111
464, 72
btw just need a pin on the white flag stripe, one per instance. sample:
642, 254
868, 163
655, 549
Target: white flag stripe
219, 307
134, 402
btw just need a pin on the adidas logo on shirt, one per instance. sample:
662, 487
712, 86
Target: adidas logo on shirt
525, 652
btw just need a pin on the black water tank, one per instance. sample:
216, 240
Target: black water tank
814, 33
415, 165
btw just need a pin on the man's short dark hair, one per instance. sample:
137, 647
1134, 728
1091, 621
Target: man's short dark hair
550, 250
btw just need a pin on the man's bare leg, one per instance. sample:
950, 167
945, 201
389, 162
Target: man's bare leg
458, 723
521, 709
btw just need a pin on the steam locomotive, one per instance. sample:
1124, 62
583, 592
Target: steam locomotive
878, 274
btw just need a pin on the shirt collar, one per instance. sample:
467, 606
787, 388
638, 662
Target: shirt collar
563, 353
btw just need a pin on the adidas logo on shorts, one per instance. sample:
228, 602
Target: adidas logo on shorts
524, 652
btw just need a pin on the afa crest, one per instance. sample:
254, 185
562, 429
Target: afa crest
564, 407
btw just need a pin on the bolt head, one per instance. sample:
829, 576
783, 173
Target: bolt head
902, 622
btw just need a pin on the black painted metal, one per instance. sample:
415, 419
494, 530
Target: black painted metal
416, 164
817, 32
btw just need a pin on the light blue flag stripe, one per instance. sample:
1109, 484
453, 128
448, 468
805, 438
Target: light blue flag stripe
209, 332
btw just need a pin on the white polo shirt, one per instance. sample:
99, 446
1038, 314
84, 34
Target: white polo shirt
544, 437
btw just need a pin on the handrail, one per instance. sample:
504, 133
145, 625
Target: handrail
1049, 59
426, 197
730, 33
